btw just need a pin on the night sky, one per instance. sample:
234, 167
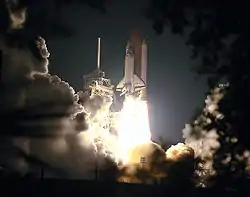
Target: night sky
173, 90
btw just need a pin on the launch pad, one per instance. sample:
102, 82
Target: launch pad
96, 84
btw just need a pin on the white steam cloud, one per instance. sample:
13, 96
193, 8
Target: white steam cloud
44, 124
206, 136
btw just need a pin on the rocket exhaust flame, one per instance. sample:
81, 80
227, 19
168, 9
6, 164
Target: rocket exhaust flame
133, 126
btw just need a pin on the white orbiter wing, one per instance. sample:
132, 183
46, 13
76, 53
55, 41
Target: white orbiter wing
137, 84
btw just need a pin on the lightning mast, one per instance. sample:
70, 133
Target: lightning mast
99, 53
96, 81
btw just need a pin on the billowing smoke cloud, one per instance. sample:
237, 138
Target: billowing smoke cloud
43, 123
203, 137
151, 163
216, 147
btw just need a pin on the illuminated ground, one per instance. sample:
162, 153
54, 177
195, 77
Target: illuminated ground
89, 188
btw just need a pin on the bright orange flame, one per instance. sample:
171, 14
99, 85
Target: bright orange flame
175, 152
133, 127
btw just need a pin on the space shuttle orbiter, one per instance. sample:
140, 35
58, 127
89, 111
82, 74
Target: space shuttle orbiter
135, 68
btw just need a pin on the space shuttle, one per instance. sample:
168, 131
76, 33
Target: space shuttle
135, 68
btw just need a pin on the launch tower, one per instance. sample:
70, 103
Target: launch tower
96, 83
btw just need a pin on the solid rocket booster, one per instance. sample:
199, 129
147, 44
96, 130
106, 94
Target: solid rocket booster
144, 67
144, 61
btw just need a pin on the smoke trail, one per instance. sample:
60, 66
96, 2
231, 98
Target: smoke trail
40, 112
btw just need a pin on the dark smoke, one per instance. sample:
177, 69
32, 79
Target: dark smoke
42, 123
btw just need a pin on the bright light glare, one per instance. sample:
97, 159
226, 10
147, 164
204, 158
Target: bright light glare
133, 127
